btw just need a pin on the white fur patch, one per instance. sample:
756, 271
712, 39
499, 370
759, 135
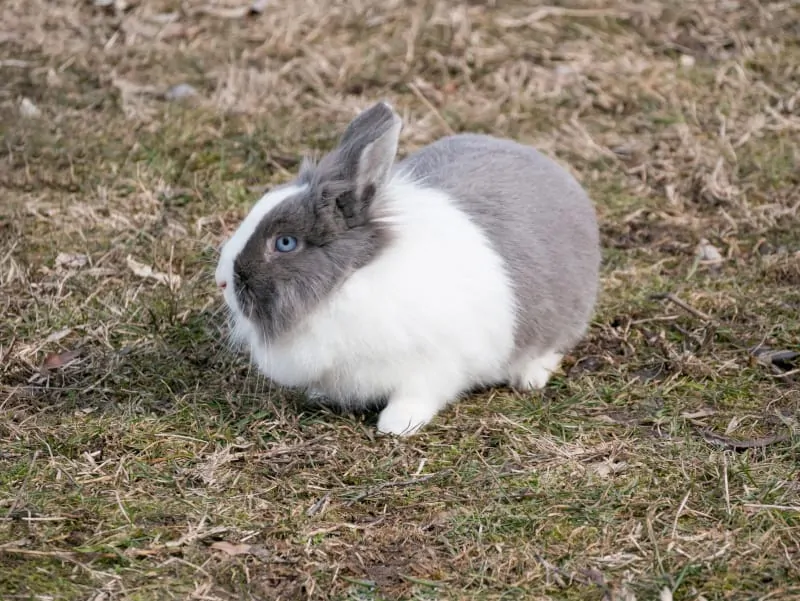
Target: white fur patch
533, 373
431, 317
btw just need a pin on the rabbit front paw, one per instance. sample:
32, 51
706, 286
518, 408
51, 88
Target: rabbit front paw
533, 374
404, 417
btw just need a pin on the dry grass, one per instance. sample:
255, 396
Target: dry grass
153, 465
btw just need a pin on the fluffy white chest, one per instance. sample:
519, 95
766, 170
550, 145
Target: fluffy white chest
437, 300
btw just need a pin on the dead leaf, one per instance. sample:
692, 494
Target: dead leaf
71, 260
147, 272
698, 414
56, 336
605, 468
233, 549
708, 253
56, 360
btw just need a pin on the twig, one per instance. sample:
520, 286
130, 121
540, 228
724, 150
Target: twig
159, 550
422, 581
544, 12
176, 546
122, 508
669, 296
778, 507
36, 553
418, 93
21, 518
741, 445
319, 505
7, 352
65, 555
725, 483
23, 486
275, 452
395, 484
678, 514
785, 374
335, 527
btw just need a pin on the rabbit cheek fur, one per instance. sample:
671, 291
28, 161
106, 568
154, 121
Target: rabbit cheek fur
397, 290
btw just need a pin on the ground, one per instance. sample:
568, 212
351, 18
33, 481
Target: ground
141, 459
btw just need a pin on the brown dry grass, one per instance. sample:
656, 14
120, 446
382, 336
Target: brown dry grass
153, 465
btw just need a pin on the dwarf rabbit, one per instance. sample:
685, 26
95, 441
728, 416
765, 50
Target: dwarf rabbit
472, 262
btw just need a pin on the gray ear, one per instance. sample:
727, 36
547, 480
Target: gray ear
368, 147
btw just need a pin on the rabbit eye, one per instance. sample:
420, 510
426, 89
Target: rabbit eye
285, 244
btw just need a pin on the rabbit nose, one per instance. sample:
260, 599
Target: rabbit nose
222, 285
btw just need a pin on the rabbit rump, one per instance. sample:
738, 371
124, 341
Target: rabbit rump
473, 262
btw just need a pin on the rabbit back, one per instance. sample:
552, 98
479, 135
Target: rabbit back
539, 220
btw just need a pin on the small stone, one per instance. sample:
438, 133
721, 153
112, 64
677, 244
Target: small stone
708, 253
71, 260
119, 5
28, 109
180, 91
258, 6
687, 61
53, 78
563, 70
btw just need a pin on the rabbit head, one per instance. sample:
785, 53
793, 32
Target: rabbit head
302, 240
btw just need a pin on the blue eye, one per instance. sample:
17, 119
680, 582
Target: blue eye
285, 244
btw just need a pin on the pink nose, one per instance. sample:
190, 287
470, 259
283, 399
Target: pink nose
222, 285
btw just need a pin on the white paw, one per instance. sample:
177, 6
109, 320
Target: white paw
534, 378
404, 418
534, 374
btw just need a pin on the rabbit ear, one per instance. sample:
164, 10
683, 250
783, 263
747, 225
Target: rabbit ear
368, 148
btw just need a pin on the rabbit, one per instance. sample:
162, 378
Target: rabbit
474, 262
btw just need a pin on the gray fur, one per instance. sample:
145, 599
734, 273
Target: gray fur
332, 222
539, 220
536, 215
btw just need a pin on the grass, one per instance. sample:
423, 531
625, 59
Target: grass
153, 464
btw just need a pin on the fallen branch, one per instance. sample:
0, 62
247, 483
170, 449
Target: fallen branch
669, 296
742, 445
64, 555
